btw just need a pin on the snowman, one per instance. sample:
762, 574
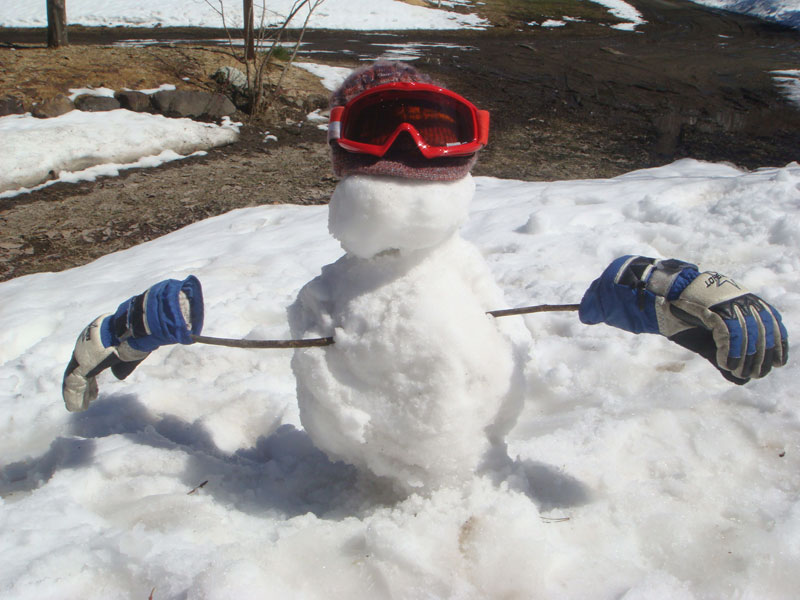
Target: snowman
421, 385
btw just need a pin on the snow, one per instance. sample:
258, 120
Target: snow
371, 15
330, 77
420, 382
80, 146
331, 14
638, 472
624, 11
789, 83
786, 12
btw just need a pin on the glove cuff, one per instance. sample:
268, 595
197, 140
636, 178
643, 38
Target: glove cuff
158, 316
631, 292
670, 277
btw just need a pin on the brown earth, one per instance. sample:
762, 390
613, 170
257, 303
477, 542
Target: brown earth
575, 102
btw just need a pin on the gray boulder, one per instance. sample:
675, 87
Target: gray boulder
54, 107
230, 76
135, 101
192, 104
90, 103
11, 105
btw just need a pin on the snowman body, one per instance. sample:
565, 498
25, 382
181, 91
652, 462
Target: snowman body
421, 384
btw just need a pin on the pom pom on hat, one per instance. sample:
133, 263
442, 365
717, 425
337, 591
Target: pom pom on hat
404, 159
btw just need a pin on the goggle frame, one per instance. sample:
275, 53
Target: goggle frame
479, 123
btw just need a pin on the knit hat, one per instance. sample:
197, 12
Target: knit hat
404, 158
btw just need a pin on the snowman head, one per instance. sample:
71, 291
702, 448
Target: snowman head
390, 119
370, 214
404, 146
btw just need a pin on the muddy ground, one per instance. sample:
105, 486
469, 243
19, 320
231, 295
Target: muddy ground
580, 101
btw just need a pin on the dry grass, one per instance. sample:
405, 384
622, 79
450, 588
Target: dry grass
36, 74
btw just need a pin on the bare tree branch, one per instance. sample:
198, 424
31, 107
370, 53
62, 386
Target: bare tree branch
264, 43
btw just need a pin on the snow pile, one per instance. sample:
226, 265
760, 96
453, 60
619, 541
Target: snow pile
79, 146
418, 371
330, 77
332, 14
639, 472
624, 11
786, 12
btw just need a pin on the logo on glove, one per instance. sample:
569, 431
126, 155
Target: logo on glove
719, 280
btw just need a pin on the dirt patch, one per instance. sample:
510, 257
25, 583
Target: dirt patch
36, 74
67, 225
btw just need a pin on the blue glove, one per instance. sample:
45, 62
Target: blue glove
167, 313
707, 313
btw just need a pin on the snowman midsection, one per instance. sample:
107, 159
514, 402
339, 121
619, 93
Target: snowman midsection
421, 366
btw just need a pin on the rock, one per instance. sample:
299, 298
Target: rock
314, 102
219, 106
53, 108
135, 101
90, 103
11, 105
193, 104
230, 76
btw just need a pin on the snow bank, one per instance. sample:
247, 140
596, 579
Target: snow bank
55, 149
624, 11
332, 14
782, 11
641, 473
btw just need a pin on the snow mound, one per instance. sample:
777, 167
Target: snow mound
638, 471
51, 149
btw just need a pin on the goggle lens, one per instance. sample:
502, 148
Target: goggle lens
440, 121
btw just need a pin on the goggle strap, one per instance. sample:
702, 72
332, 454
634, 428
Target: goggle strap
483, 127
335, 124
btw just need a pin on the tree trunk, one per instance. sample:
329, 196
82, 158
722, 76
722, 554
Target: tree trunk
249, 43
56, 23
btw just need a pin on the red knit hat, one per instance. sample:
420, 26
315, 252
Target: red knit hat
404, 159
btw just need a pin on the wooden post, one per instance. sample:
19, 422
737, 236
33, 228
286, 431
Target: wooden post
249, 42
56, 23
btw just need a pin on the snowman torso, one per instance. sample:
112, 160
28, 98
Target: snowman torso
418, 371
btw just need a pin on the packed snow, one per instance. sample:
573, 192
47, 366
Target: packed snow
81, 146
639, 472
418, 394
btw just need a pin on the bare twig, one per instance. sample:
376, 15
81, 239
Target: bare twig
327, 341
197, 488
234, 343
534, 309
312, 8
260, 48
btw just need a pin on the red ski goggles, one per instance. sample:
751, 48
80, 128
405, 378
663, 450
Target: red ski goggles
441, 122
